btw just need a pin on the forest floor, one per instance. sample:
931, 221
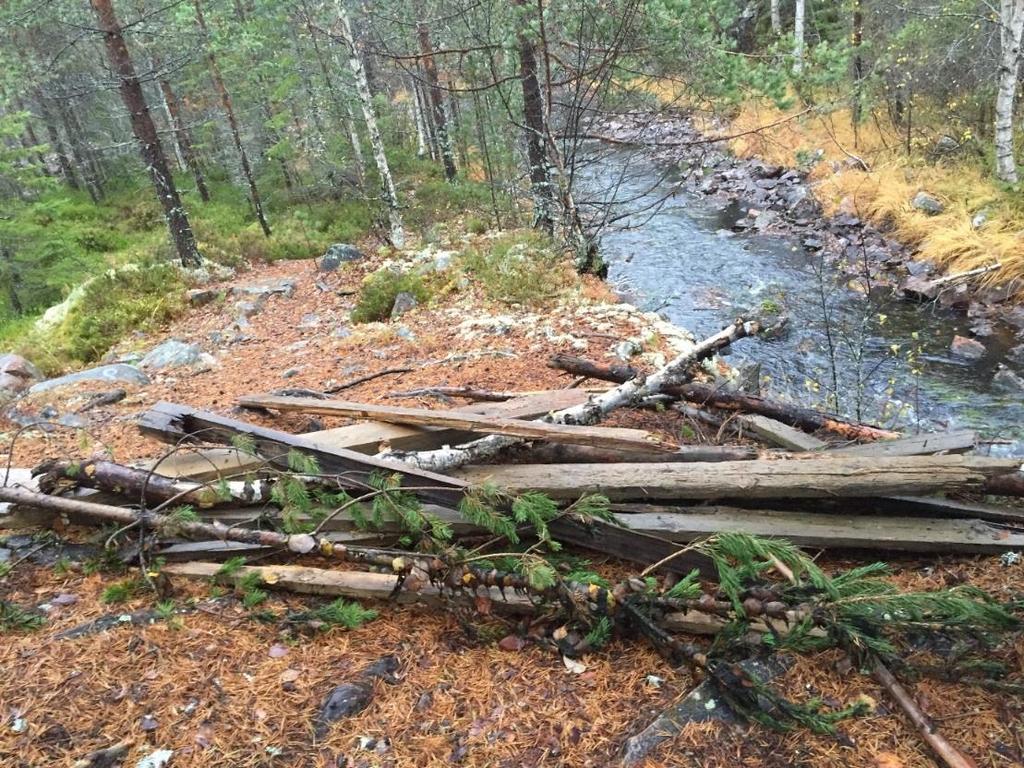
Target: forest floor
220, 688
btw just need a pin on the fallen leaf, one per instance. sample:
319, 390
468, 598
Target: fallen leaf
511, 643
148, 723
204, 735
290, 675
483, 605
887, 760
277, 651
574, 666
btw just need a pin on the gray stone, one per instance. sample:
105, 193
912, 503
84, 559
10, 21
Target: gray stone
1016, 354
117, 372
199, 297
979, 220
404, 301
284, 286
16, 365
11, 385
967, 349
1008, 381
247, 309
404, 333
946, 145
172, 354
291, 372
927, 203
310, 320
765, 219
338, 254
813, 244
341, 332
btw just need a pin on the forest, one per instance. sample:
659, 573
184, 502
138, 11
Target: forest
524, 383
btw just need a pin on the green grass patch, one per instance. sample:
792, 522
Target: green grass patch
521, 267
378, 292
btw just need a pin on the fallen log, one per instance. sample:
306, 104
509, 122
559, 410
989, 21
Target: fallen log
680, 369
759, 479
613, 438
702, 394
557, 453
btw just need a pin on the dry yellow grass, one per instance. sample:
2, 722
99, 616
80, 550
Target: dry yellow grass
883, 194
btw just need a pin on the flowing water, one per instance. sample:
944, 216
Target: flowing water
891, 357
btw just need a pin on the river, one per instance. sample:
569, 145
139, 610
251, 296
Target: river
892, 363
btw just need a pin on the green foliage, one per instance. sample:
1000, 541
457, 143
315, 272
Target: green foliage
107, 561
249, 587
14, 618
687, 588
480, 507
600, 633
538, 572
378, 292
536, 510
229, 569
349, 615
5, 568
122, 591
519, 268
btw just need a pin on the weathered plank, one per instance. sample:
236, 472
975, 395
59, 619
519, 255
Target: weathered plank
556, 453
210, 463
811, 529
599, 437
957, 441
175, 423
777, 433
758, 479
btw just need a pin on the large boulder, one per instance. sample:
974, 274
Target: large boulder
338, 254
967, 349
284, 286
1006, 380
927, 203
404, 301
16, 374
172, 354
118, 372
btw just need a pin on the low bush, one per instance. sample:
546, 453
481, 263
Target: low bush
519, 268
377, 296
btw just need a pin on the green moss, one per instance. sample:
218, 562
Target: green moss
377, 296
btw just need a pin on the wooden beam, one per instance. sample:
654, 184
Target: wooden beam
776, 433
759, 479
957, 441
599, 437
176, 423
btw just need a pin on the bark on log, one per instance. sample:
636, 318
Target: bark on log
680, 369
555, 453
807, 478
793, 415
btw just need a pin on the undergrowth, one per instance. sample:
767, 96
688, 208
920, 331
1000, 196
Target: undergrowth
520, 267
379, 291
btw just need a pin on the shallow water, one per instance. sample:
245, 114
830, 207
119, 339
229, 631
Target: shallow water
892, 360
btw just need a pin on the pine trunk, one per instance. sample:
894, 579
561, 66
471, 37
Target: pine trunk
536, 134
229, 111
183, 137
436, 97
1011, 18
145, 132
67, 170
388, 193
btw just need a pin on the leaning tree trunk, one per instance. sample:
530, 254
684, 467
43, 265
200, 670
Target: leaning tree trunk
67, 170
229, 111
1011, 23
798, 37
182, 135
387, 182
436, 96
145, 132
536, 133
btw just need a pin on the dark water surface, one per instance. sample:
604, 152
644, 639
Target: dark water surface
892, 359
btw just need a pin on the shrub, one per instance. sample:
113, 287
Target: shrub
519, 268
377, 296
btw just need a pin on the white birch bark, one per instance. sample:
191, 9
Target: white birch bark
1011, 30
387, 182
357, 146
798, 37
417, 118
679, 370
776, 17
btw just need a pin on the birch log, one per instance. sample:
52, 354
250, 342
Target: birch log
593, 410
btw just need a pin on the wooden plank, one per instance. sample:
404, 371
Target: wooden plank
210, 463
176, 423
777, 433
217, 549
758, 479
336, 583
957, 441
599, 437
810, 529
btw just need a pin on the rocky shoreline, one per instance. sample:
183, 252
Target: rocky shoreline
773, 200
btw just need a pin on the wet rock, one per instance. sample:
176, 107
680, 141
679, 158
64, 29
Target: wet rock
284, 286
800, 202
351, 698
1007, 381
404, 301
1016, 354
982, 328
16, 365
918, 268
765, 219
118, 372
172, 354
813, 244
967, 349
927, 203
199, 297
338, 254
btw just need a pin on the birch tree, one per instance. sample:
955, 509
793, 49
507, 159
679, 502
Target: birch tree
387, 182
798, 37
776, 14
1011, 30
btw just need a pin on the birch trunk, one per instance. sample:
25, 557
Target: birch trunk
776, 14
592, 411
388, 193
798, 37
1011, 20
417, 119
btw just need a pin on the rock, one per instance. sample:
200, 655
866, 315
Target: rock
1006, 380
172, 354
290, 373
310, 320
765, 219
341, 332
338, 254
284, 286
967, 349
404, 301
946, 145
627, 349
800, 203
1016, 354
117, 372
247, 309
404, 333
918, 268
979, 220
11, 386
199, 297
813, 244
17, 366
927, 203
351, 698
